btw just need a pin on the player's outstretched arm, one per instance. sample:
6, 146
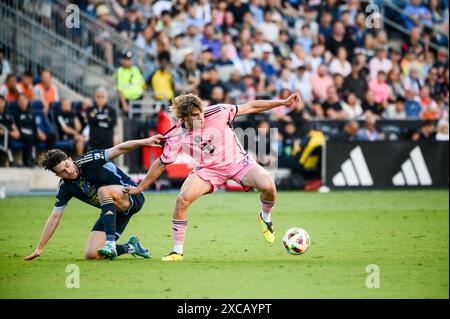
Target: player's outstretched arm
258, 106
132, 145
49, 228
153, 173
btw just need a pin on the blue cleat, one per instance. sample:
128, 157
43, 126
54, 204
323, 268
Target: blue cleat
138, 250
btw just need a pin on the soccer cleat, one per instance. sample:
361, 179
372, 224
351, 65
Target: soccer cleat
267, 228
173, 256
138, 250
108, 251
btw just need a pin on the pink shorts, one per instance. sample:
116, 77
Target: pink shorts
218, 177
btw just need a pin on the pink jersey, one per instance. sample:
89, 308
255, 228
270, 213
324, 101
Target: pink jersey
214, 145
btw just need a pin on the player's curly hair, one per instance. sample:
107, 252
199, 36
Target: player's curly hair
51, 159
183, 105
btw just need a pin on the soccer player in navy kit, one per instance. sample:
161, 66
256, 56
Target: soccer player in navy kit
95, 180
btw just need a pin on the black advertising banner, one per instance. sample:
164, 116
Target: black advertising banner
385, 164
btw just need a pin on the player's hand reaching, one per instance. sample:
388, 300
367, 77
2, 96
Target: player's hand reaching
131, 190
34, 255
293, 98
154, 140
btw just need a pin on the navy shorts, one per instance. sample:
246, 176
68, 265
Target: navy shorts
122, 218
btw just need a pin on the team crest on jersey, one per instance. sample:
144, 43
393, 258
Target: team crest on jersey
98, 156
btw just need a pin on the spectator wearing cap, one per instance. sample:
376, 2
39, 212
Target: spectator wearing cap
320, 82
209, 40
379, 62
339, 64
26, 85
130, 26
10, 90
130, 82
356, 82
162, 81
46, 91
102, 119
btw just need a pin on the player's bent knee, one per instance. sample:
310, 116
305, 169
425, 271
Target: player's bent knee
183, 201
103, 192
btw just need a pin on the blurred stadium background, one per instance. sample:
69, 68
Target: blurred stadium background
374, 76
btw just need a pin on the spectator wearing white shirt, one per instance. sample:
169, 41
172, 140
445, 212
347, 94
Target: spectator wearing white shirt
379, 62
352, 106
245, 63
442, 131
269, 28
339, 64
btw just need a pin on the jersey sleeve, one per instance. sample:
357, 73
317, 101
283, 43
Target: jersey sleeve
221, 112
172, 147
63, 196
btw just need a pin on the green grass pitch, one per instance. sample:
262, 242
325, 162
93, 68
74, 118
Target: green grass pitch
405, 233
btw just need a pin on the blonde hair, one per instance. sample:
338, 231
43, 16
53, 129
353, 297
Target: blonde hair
183, 105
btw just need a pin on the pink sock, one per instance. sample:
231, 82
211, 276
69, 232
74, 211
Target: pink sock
178, 232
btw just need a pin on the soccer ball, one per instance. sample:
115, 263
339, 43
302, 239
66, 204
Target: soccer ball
296, 241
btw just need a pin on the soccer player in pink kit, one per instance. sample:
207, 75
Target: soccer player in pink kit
206, 134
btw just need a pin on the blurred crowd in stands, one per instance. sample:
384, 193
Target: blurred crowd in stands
348, 68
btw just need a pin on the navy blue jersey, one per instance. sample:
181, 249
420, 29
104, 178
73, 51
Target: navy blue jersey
95, 171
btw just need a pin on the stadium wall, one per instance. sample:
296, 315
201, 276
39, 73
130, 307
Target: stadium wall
385, 165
